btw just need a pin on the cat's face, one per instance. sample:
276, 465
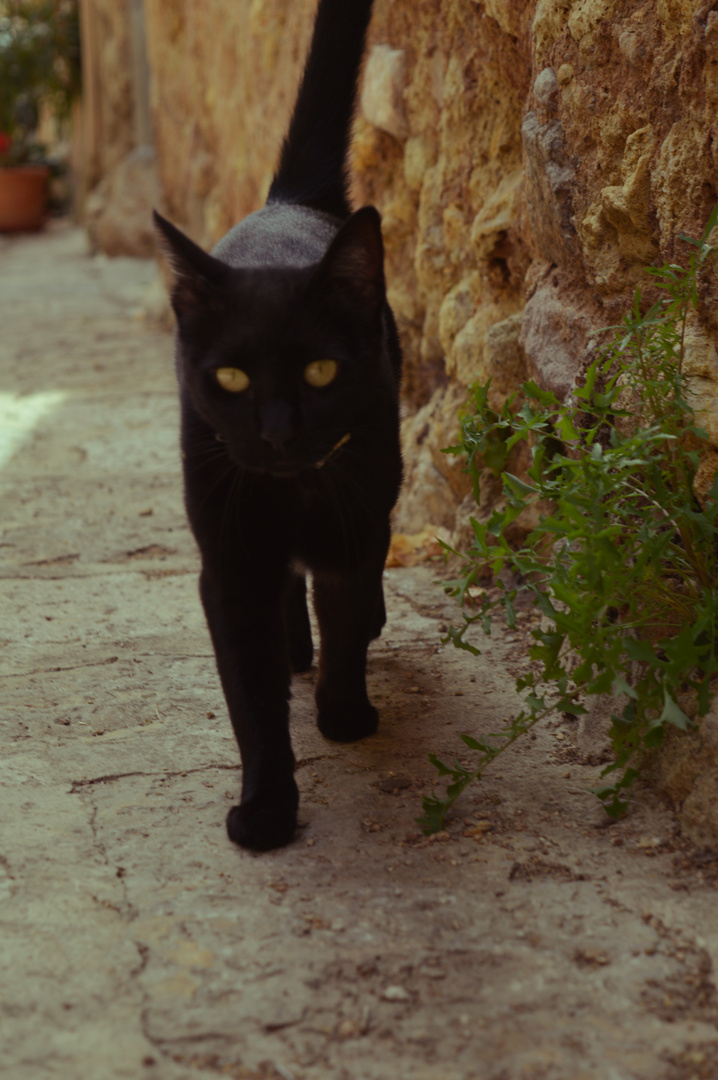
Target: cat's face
281, 362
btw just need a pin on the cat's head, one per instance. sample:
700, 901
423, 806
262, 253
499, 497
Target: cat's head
282, 362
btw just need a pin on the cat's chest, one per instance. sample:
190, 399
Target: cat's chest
328, 527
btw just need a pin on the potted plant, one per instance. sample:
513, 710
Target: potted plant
39, 67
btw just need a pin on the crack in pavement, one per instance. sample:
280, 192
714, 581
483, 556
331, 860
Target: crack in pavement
77, 785
53, 670
100, 663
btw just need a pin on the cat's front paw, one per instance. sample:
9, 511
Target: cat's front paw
267, 820
347, 723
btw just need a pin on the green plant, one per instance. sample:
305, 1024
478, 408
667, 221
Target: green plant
39, 62
623, 564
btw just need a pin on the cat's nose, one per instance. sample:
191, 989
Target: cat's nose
276, 425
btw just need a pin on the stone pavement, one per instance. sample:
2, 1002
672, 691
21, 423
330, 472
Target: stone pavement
529, 942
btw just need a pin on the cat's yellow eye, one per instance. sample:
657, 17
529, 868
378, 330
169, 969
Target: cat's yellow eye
320, 372
232, 378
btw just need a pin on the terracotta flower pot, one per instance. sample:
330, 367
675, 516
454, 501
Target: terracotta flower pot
23, 197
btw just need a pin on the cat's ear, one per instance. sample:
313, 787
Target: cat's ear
354, 262
197, 275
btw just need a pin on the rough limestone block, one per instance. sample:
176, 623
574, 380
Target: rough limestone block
587, 14
118, 213
457, 307
382, 100
546, 89
705, 476
554, 336
504, 359
626, 206
550, 177
467, 360
685, 767
499, 213
549, 20
433, 485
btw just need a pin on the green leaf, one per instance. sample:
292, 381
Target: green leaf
566, 429
640, 650
544, 397
711, 223
455, 636
496, 523
432, 820
518, 485
673, 714
440, 766
454, 790
480, 532
620, 686
654, 736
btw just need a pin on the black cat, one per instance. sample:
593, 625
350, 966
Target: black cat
289, 364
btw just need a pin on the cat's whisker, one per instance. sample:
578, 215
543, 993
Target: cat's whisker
208, 452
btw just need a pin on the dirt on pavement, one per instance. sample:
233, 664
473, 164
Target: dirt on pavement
530, 941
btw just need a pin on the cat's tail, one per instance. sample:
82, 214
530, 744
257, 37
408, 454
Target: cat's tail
312, 168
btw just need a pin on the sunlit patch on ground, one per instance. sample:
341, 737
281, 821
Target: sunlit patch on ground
20, 414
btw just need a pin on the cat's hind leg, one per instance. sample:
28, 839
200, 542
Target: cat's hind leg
299, 631
346, 606
379, 619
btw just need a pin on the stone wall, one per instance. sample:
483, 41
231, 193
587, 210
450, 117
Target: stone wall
116, 184
107, 106
224, 75
529, 157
